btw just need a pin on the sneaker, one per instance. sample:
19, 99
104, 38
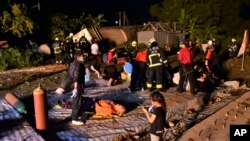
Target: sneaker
59, 91
75, 122
142, 89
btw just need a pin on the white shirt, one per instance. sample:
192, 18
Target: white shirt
94, 49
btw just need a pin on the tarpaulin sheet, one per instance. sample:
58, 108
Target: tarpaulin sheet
13, 127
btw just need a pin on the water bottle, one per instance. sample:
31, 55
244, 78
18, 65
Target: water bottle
15, 102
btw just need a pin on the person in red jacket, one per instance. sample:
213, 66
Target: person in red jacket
139, 70
185, 57
209, 56
112, 56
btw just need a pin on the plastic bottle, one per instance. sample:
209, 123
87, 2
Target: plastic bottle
15, 102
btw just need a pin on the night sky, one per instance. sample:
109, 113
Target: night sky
136, 10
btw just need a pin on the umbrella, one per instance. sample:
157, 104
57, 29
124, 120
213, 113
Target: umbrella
44, 49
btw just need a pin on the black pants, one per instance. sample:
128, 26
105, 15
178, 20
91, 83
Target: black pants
138, 78
77, 108
167, 78
155, 72
58, 57
67, 58
186, 71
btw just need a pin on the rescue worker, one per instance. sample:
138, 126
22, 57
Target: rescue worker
131, 51
57, 51
77, 47
72, 45
155, 59
77, 72
232, 48
68, 52
151, 41
209, 56
138, 78
84, 45
185, 57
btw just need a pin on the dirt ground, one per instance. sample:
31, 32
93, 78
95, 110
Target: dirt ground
22, 82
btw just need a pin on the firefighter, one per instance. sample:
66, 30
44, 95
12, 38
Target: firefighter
72, 45
155, 59
232, 48
68, 53
77, 47
84, 44
57, 51
132, 50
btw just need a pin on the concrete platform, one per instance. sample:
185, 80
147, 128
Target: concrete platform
216, 127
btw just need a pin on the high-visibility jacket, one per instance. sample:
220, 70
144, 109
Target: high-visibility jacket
155, 56
56, 47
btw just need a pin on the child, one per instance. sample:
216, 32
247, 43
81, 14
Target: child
127, 67
157, 116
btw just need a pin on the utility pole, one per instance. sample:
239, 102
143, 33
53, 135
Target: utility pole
120, 18
38, 6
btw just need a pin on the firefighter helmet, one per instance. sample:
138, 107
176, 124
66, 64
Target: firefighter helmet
134, 43
152, 40
233, 40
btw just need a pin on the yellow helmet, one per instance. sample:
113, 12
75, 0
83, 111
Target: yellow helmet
233, 40
56, 39
134, 43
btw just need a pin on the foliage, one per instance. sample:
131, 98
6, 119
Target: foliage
13, 58
62, 25
175, 45
16, 21
95, 21
203, 20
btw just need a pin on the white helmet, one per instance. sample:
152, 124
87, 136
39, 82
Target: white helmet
71, 35
233, 40
210, 42
56, 39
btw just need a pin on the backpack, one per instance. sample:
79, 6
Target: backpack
108, 108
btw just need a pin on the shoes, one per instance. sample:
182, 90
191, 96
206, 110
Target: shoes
57, 106
59, 91
75, 122
142, 89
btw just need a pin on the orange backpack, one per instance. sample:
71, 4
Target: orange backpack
107, 108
